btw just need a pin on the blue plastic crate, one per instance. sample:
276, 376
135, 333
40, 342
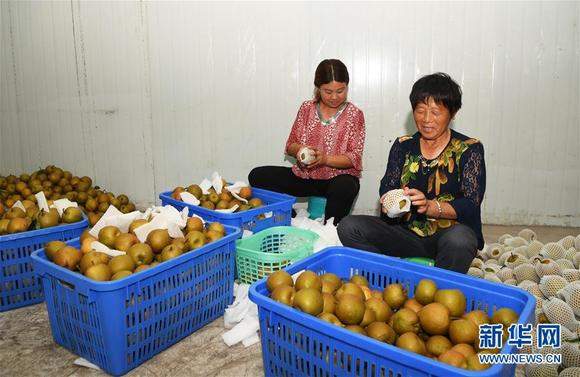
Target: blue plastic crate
298, 344
19, 285
280, 205
120, 324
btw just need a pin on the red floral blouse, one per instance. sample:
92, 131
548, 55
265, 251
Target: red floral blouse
346, 136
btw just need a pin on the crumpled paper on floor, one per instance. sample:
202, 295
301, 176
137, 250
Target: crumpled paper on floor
241, 318
327, 234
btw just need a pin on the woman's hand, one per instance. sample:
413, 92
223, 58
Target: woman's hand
418, 199
320, 158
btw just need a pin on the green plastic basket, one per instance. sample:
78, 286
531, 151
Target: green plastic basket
270, 250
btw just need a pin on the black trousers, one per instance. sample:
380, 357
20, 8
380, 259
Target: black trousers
453, 248
339, 191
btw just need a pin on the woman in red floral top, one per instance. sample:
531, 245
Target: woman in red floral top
334, 129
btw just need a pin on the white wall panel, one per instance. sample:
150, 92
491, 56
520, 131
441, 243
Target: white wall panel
147, 95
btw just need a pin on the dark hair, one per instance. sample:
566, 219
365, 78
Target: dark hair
327, 71
439, 86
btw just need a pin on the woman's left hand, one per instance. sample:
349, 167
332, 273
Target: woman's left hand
418, 199
320, 159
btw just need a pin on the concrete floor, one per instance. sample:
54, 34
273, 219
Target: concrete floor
27, 347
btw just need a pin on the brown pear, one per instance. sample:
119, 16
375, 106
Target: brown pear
359, 280
121, 263
158, 239
453, 358
438, 344
453, 299
309, 300
405, 320
395, 295
308, 279
92, 258
99, 272
434, 318
350, 309
382, 311
194, 223
411, 342
284, 294
18, 224
136, 224
425, 291
124, 241
350, 289
277, 279
382, 332
53, 247
68, 257
330, 282
72, 215
463, 331
108, 235
330, 318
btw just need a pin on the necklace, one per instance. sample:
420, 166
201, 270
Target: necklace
333, 118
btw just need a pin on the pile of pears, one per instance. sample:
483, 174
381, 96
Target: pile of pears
433, 323
16, 220
224, 200
57, 183
158, 248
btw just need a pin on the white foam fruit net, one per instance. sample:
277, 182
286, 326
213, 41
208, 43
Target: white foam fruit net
551, 284
570, 254
571, 295
565, 264
558, 311
553, 251
505, 273
571, 275
570, 372
527, 234
567, 242
503, 238
525, 272
534, 248
474, 271
570, 354
516, 242
548, 267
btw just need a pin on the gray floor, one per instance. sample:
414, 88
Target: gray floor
27, 348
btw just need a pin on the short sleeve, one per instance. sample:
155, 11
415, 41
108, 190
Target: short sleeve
392, 178
472, 184
356, 141
299, 125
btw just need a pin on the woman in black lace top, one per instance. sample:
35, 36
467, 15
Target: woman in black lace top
443, 173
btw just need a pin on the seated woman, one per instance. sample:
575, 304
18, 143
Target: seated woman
443, 173
335, 130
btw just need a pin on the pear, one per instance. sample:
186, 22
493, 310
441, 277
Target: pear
277, 279
141, 253
108, 235
194, 223
212, 235
48, 219
92, 258
169, 252
158, 239
308, 279
121, 263
18, 224
136, 224
217, 227
68, 257
52, 247
194, 240
99, 272
124, 241
72, 215
121, 275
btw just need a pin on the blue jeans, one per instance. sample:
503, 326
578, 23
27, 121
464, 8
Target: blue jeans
453, 248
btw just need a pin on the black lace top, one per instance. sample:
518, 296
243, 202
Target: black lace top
457, 176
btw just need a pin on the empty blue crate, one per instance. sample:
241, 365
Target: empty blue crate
276, 211
118, 325
298, 344
19, 285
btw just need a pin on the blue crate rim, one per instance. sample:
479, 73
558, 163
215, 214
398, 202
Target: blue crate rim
364, 341
74, 277
283, 199
41, 232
